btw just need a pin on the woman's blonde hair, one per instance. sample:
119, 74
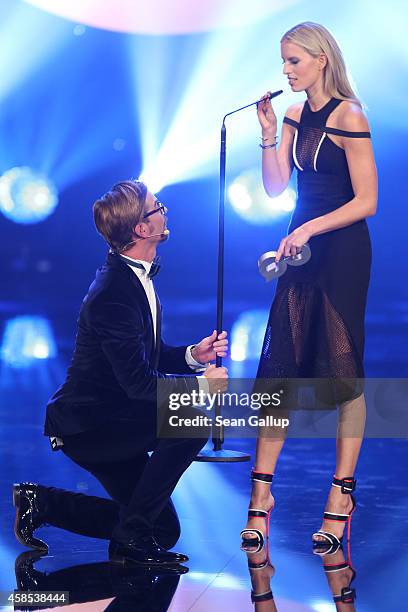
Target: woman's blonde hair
316, 39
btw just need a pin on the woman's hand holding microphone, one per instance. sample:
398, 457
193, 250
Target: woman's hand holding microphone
267, 119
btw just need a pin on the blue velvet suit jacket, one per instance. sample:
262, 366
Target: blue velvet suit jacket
116, 362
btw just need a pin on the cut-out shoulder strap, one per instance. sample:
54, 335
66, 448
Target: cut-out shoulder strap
291, 122
337, 132
329, 130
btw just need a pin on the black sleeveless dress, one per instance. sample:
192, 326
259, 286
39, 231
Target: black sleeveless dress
316, 323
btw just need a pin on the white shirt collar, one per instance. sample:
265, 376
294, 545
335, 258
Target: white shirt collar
146, 264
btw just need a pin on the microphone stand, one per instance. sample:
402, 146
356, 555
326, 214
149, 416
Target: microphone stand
218, 454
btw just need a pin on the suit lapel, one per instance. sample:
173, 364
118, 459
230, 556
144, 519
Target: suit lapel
114, 261
158, 330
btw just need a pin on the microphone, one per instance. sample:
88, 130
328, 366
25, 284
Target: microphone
273, 95
165, 232
270, 97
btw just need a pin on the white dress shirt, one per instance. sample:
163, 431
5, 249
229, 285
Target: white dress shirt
147, 284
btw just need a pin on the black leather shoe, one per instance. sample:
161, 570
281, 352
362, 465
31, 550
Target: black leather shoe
128, 575
27, 577
28, 515
145, 551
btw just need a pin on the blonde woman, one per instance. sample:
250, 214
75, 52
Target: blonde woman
316, 322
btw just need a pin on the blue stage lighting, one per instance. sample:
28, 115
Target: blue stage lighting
27, 339
79, 29
29, 37
247, 335
26, 196
249, 200
179, 127
321, 606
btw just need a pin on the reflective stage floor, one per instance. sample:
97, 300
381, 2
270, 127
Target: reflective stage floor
211, 500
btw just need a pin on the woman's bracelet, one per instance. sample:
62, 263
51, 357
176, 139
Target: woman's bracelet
270, 146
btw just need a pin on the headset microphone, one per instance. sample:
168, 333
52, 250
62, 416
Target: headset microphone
165, 232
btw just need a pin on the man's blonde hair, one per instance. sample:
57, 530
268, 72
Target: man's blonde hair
118, 211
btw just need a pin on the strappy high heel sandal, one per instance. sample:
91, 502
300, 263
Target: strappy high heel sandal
255, 537
332, 543
257, 566
348, 594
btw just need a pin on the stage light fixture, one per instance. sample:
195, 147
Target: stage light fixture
27, 339
249, 200
27, 196
247, 335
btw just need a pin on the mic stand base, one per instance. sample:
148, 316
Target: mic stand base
222, 456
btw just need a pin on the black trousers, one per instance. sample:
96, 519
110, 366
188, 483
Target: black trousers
139, 484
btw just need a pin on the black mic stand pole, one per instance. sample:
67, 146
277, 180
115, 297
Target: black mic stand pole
218, 453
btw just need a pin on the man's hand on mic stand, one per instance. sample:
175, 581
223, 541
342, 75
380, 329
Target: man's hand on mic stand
209, 347
206, 351
217, 378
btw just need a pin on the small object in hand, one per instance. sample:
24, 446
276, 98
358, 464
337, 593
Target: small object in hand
300, 258
270, 268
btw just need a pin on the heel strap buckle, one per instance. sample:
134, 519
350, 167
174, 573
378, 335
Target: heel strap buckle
348, 595
257, 597
258, 566
254, 512
261, 477
347, 485
335, 567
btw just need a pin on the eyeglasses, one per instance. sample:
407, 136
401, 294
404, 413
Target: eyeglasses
161, 208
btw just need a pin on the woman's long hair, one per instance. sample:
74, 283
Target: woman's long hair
316, 39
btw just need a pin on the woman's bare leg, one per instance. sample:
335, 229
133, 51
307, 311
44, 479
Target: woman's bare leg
268, 448
350, 433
